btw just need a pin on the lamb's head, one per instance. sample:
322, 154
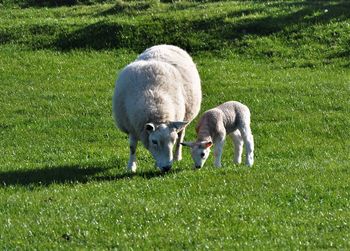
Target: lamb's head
161, 140
199, 151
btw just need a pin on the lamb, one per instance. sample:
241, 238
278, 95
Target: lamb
232, 118
155, 98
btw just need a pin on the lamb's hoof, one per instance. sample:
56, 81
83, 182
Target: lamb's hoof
250, 164
237, 162
132, 168
250, 161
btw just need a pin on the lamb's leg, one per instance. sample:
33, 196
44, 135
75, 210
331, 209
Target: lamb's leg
249, 144
132, 159
238, 146
218, 148
178, 147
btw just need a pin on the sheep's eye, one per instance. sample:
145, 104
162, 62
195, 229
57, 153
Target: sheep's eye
202, 155
154, 142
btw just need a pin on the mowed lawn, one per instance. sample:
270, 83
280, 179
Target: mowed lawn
63, 179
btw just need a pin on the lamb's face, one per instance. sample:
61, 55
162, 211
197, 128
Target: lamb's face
199, 152
161, 140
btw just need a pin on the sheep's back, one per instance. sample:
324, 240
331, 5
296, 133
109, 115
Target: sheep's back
159, 86
147, 92
184, 64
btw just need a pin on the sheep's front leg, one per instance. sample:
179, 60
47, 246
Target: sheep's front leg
132, 159
238, 146
178, 147
219, 146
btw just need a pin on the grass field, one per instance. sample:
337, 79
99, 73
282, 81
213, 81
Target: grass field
63, 183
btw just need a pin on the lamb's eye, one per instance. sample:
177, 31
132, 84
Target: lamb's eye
154, 142
202, 155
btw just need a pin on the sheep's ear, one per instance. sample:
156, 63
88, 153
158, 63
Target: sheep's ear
178, 125
190, 144
149, 127
206, 144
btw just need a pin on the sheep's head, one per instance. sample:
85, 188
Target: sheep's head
161, 140
199, 151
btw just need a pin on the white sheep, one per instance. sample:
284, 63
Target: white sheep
231, 118
155, 97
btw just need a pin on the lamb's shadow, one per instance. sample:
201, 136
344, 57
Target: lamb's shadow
70, 174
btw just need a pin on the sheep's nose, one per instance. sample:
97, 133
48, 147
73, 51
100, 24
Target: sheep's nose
166, 168
197, 167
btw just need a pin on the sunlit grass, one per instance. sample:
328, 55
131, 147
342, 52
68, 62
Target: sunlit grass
63, 183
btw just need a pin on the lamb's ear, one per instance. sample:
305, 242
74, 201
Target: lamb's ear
149, 127
206, 144
178, 125
190, 144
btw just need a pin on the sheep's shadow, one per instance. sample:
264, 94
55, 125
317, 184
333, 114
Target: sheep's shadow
46, 176
71, 174
147, 174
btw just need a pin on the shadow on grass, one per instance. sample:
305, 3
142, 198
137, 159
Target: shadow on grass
53, 3
70, 175
309, 13
149, 174
202, 34
126, 8
50, 175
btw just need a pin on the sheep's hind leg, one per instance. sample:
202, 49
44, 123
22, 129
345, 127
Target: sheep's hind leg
178, 149
249, 145
238, 146
132, 159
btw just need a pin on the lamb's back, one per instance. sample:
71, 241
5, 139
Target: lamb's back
234, 114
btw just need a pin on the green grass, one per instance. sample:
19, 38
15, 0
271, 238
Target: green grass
63, 183
304, 33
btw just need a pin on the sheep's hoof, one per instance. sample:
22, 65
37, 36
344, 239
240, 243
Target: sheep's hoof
178, 158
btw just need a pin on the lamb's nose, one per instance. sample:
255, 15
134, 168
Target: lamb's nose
166, 168
197, 167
